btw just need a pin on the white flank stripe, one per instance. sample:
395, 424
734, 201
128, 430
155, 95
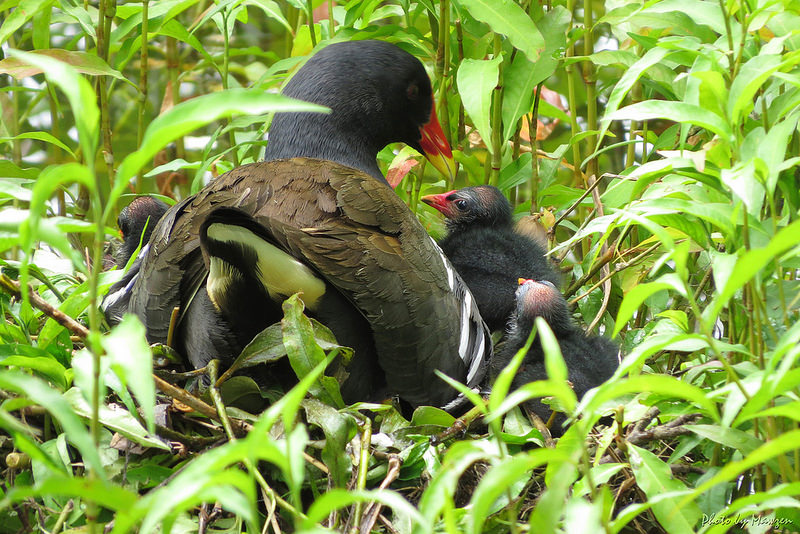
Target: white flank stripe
463, 344
476, 363
118, 294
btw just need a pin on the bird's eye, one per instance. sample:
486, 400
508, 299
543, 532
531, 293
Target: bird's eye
461, 204
412, 92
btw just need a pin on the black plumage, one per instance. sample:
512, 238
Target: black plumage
487, 252
343, 225
590, 360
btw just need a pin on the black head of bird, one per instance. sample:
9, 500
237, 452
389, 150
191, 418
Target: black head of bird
482, 205
540, 298
590, 360
378, 94
136, 222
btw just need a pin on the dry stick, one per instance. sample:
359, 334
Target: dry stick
601, 261
374, 509
598, 206
569, 210
618, 268
14, 288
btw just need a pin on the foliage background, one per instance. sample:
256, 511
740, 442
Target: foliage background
664, 169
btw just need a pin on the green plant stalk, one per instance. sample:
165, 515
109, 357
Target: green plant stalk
729, 36
573, 106
173, 68
56, 152
332, 21
590, 81
497, 117
636, 96
102, 93
222, 413
461, 117
363, 466
443, 73
310, 22
142, 96
225, 68
533, 133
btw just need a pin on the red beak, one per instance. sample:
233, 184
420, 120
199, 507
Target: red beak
436, 147
440, 202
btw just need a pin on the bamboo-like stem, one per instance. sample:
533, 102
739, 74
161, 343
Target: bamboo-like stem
573, 106
443, 73
331, 20
533, 131
630, 156
310, 22
590, 80
142, 88
106, 13
497, 117
174, 69
461, 117
729, 36
225, 69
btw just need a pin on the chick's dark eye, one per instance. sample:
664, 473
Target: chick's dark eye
412, 92
461, 204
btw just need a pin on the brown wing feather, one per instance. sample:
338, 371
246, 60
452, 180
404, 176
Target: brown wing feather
350, 228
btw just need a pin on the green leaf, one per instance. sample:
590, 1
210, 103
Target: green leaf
508, 18
502, 478
43, 395
748, 81
132, 361
752, 262
81, 96
338, 498
82, 62
430, 415
654, 477
339, 429
522, 75
22, 13
116, 419
641, 292
476, 80
778, 446
743, 180
667, 386
675, 111
304, 352
626, 82
45, 365
41, 136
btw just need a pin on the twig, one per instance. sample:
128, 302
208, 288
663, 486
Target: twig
569, 210
14, 288
459, 426
598, 206
374, 509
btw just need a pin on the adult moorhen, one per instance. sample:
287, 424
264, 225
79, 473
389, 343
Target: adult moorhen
590, 360
487, 252
350, 239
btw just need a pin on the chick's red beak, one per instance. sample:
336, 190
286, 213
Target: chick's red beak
436, 147
440, 202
